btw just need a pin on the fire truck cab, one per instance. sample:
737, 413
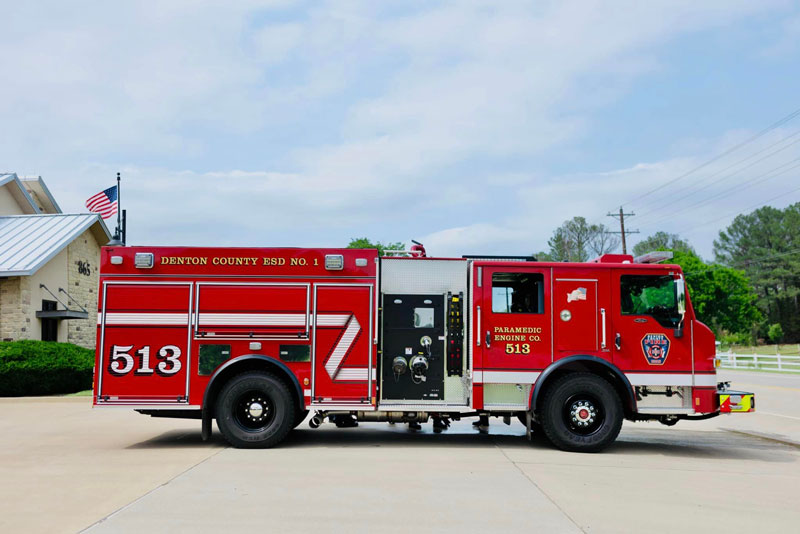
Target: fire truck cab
255, 338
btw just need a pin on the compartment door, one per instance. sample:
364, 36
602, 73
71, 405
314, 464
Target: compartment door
144, 343
343, 365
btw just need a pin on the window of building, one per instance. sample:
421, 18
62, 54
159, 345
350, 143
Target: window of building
49, 326
517, 293
653, 295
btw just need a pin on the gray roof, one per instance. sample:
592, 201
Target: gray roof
27, 242
21, 194
36, 182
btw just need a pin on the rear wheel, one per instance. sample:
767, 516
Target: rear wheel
255, 410
582, 413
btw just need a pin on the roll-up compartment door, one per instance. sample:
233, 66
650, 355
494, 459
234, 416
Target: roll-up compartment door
253, 311
145, 342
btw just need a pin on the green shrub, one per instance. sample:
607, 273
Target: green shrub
44, 368
737, 338
775, 333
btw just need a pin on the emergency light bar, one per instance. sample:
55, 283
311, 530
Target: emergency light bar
143, 260
654, 257
479, 257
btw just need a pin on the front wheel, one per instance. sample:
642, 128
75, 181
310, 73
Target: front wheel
581, 413
255, 410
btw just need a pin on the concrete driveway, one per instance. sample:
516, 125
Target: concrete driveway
66, 468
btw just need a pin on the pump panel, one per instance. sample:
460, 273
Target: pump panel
413, 358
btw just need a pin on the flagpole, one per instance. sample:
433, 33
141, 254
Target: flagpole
119, 209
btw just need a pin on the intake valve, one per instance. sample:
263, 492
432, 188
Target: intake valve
419, 366
399, 366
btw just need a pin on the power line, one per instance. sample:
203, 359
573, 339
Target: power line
769, 128
738, 212
737, 188
706, 186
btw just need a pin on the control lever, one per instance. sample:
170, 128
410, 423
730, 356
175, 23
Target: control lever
618, 341
488, 339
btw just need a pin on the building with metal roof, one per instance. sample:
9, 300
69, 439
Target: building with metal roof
48, 265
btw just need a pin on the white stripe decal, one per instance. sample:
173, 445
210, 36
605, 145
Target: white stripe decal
353, 373
334, 363
332, 320
662, 379
333, 366
253, 319
146, 318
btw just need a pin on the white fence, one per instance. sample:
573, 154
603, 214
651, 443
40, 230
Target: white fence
765, 362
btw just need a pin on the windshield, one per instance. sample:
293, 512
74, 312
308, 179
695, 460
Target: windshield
653, 295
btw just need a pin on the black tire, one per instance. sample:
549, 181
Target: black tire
255, 410
581, 412
299, 417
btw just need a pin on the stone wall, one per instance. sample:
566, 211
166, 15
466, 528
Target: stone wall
15, 303
83, 274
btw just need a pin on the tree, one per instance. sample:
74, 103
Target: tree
766, 245
575, 240
661, 241
721, 296
363, 242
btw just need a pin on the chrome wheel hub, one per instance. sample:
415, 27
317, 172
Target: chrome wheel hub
583, 413
256, 409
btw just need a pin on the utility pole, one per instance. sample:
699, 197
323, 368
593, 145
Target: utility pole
621, 216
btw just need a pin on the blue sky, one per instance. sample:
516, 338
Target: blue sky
475, 127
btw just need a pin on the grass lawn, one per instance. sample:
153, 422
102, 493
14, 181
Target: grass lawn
788, 350
85, 393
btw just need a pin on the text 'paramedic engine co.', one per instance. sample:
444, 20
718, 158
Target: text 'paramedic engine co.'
517, 333
236, 261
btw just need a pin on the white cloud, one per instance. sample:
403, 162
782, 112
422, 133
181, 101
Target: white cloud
696, 207
346, 119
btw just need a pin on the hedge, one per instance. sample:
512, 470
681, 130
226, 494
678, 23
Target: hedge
44, 368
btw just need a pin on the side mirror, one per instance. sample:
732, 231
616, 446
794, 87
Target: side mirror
680, 290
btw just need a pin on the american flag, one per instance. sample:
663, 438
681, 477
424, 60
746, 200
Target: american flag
104, 202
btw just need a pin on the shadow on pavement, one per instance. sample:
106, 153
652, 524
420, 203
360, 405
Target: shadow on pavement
180, 438
668, 443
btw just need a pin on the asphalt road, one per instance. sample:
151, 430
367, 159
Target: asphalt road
66, 468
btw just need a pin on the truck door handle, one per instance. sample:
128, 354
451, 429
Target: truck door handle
488, 339
603, 327
618, 341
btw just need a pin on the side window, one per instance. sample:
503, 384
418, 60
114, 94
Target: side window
653, 295
518, 293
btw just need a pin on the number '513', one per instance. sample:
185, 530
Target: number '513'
122, 362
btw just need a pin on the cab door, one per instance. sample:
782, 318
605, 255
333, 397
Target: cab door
645, 318
513, 322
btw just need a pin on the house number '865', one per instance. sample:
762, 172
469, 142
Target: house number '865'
122, 362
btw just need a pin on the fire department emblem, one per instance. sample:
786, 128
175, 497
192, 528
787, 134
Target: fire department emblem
655, 348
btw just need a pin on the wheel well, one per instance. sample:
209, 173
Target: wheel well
594, 366
243, 364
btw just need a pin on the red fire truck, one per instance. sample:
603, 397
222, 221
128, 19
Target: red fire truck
258, 337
